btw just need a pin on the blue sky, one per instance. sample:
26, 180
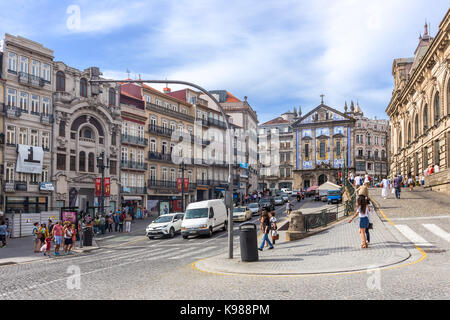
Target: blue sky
280, 53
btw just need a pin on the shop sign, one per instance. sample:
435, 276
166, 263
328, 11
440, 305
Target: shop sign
69, 216
46, 186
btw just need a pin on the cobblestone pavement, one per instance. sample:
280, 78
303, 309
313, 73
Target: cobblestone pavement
161, 269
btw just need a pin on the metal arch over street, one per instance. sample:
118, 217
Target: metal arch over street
230, 167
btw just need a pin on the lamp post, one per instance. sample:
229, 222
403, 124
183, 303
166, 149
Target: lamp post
95, 80
101, 165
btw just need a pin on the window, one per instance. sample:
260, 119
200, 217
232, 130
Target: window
23, 135
153, 173
306, 151
73, 161
437, 107
153, 145
165, 174
12, 98
35, 178
112, 97
153, 121
288, 172
44, 175
34, 138
322, 149
360, 153
124, 154
46, 106
416, 126
113, 167
425, 118
62, 129
124, 179
12, 62
338, 149
125, 129
164, 149
61, 161
60, 81
140, 156
46, 72
23, 64
83, 87
184, 111
10, 172
10, 135
82, 161
175, 107
141, 132
383, 154
369, 166
35, 68
34, 104
91, 162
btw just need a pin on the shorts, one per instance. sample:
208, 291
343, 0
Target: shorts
363, 223
67, 241
58, 240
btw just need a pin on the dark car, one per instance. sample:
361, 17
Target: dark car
267, 204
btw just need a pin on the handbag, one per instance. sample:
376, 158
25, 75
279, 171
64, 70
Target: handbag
275, 235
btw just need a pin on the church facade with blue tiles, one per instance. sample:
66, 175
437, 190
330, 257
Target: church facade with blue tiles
323, 143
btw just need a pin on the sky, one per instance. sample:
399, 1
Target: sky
281, 54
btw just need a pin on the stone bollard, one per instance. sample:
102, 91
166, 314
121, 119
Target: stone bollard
296, 228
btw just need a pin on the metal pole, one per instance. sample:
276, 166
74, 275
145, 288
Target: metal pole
182, 186
230, 168
102, 208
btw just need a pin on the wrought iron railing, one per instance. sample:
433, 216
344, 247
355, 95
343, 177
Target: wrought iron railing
322, 218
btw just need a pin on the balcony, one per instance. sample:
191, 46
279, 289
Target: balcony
167, 157
46, 119
12, 111
30, 80
168, 185
133, 190
201, 102
162, 110
217, 123
12, 186
133, 165
163, 131
134, 140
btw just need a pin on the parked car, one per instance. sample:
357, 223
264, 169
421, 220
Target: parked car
294, 193
286, 190
278, 201
165, 225
254, 208
267, 204
334, 196
204, 217
241, 214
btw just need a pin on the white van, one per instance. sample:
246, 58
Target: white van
204, 217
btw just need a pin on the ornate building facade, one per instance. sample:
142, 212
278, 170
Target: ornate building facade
324, 143
419, 109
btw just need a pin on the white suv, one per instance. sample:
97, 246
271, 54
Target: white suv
165, 225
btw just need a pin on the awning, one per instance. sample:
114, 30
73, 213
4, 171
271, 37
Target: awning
132, 198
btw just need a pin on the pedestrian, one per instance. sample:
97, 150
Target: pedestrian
8, 230
50, 226
128, 223
36, 237
410, 183
102, 224
385, 185
436, 168
398, 185
422, 180
363, 212
48, 245
265, 229
74, 238
3, 233
97, 225
109, 223
121, 222
57, 233
273, 227
67, 238
116, 222
288, 207
363, 190
44, 233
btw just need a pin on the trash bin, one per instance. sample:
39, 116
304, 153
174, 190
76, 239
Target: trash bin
248, 242
87, 236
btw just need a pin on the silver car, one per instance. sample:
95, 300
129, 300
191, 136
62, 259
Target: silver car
254, 208
279, 201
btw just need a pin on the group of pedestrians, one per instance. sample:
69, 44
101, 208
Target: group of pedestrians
268, 225
60, 234
116, 220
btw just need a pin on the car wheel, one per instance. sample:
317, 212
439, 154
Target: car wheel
210, 232
171, 233
185, 237
225, 226
151, 238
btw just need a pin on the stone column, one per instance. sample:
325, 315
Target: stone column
296, 229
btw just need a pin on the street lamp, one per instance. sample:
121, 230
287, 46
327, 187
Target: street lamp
101, 165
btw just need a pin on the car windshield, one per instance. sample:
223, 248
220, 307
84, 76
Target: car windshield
278, 198
196, 213
239, 210
163, 219
334, 193
253, 205
264, 200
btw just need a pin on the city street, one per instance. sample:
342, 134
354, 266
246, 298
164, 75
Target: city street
133, 267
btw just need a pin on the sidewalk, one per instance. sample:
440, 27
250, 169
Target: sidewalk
20, 250
336, 249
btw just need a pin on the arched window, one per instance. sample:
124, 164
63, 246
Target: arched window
60, 81
82, 162
112, 97
437, 107
399, 140
91, 162
425, 118
83, 87
416, 126
409, 133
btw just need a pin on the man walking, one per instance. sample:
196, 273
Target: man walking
57, 233
398, 185
385, 186
116, 221
128, 223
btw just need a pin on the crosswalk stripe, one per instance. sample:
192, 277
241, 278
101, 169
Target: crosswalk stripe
168, 253
414, 237
192, 253
438, 231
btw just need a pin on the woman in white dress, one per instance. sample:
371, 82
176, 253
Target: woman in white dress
385, 187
